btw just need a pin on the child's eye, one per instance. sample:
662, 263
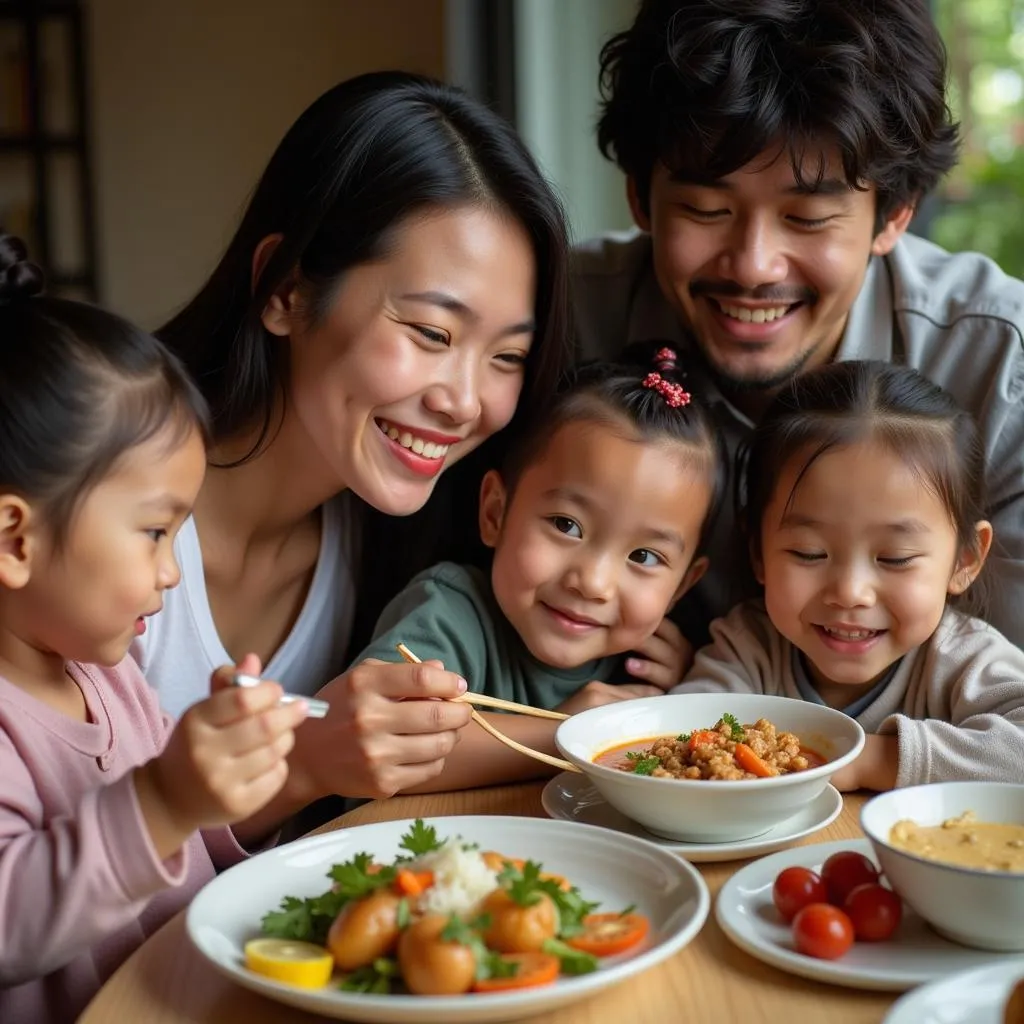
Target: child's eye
157, 534
644, 556
563, 524
897, 563
806, 556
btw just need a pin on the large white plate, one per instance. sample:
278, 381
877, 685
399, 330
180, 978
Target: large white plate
970, 997
914, 955
618, 870
572, 797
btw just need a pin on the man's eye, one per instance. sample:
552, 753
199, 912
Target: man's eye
436, 337
563, 524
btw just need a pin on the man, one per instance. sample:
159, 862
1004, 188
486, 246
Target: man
775, 152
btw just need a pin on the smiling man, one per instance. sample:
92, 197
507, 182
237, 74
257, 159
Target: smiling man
774, 153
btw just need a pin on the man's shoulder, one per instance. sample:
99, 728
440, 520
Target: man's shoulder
946, 287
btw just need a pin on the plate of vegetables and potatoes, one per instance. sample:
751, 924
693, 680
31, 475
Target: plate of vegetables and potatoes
462, 919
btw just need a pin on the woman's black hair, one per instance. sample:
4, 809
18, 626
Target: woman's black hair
79, 387
362, 160
643, 391
706, 86
845, 403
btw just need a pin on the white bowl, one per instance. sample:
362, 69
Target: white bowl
700, 810
984, 909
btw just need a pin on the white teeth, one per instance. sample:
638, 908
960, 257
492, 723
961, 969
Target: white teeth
850, 634
755, 316
428, 449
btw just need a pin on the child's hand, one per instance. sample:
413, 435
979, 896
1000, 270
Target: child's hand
224, 760
874, 768
596, 693
664, 658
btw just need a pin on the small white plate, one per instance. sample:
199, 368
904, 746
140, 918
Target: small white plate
615, 869
572, 797
914, 955
970, 997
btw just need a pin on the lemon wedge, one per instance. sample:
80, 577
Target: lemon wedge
297, 963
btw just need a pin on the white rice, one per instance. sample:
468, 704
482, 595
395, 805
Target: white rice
461, 880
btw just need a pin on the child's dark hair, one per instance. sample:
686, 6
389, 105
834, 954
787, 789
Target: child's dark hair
78, 388
847, 402
644, 391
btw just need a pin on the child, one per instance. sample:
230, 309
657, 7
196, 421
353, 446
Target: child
101, 456
864, 498
597, 521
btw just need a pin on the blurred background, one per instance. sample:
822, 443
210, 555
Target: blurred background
132, 131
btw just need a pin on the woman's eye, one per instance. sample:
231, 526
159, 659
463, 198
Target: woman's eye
896, 563
435, 337
563, 524
644, 556
516, 359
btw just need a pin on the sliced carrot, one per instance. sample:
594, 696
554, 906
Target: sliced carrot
703, 738
605, 934
497, 861
749, 761
532, 969
412, 883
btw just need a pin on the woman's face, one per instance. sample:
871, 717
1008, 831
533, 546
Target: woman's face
420, 357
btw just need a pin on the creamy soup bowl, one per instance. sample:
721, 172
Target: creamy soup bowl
972, 906
701, 810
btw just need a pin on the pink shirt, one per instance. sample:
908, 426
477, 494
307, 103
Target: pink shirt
81, 886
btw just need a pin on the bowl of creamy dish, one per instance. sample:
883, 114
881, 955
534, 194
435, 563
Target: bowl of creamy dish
955, 852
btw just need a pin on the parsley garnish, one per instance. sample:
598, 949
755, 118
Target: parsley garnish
737, 730
684, 737
642, 764
573, 961
628, 910
352, 879
402, 914
467, 933
420, 839
375, 977
523, 886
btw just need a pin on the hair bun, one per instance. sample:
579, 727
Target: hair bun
19, 277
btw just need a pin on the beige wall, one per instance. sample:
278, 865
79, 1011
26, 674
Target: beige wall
189, 99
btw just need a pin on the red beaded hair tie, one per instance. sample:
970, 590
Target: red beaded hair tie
674, 394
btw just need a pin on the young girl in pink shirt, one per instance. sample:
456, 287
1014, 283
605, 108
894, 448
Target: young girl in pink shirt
110, 820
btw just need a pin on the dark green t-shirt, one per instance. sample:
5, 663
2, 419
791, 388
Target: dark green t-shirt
449, 613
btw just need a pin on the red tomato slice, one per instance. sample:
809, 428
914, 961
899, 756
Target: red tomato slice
875, 912
533, 969
822, 931
605, 934
794, 889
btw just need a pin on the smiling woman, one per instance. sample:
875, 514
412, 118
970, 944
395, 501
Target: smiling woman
392, 297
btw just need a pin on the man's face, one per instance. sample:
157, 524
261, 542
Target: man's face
762, 270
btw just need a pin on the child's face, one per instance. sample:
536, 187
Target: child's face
90, 598
596, 542
857, 563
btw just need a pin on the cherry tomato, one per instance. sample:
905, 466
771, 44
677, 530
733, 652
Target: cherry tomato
794, 889
874, 910
843, 872
822, 931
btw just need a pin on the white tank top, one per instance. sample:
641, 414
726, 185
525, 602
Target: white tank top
181, 648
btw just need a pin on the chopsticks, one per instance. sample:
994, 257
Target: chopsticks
494, 702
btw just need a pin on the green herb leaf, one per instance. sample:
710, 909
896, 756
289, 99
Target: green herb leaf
684, 737
376, 977
402, 914
494, 965
571, 906
573, 961
307, 920
737, 730
420, 839
628, 910
353, 878
467, 933
524, 885
646, 765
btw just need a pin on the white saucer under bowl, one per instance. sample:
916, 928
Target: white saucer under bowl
977, 996
572, 797
914, 955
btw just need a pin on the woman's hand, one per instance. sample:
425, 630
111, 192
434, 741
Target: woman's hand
389, 728
664, 658
224, 760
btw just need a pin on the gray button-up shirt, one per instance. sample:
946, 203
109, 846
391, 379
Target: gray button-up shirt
957, 318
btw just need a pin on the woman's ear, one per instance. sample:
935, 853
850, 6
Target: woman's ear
971, 560
493, 498
17, 543
278, 315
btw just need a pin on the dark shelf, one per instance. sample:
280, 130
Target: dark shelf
19, 142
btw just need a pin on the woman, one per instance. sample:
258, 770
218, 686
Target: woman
394, 296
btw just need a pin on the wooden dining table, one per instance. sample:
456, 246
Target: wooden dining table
710, 981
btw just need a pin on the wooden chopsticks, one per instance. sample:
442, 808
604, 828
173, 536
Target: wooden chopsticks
494, 702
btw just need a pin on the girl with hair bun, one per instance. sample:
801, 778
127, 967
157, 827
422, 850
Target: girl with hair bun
102, 798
